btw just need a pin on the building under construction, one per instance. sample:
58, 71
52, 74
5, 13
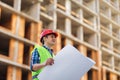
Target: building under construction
92, 26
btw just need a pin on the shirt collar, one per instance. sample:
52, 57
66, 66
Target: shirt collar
47, 48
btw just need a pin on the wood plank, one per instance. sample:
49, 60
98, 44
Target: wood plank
103, 73
113, 76
11, 48
22, 27
99, 61
95, 56
88, 22
116, 50
18, 74
74, 14
10, 73
36, 29
20, 52
61, 7
29, 76
13, 23
43, 8
95, 75
39, 29
30, 49
83, 51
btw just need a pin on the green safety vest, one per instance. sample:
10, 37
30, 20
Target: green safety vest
44, 55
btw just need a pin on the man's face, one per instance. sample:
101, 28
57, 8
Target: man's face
50, 39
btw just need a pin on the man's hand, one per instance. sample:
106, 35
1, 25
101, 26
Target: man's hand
49, 61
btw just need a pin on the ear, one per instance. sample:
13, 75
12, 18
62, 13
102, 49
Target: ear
44, 38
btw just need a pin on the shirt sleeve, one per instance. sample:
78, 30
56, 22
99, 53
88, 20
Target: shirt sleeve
35, 58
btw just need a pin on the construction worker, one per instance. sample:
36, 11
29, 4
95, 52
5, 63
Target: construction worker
42, 55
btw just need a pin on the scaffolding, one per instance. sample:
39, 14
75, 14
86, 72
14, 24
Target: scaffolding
92, 26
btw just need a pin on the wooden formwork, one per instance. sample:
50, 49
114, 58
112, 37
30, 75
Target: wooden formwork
20, 34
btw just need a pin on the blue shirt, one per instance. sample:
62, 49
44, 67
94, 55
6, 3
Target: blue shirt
36, 58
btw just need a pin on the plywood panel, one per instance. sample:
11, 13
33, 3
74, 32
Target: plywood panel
13, 23
113, 76
21, 27
83, 50
103, 73
10, 73
95, 75
36, 29
11, 48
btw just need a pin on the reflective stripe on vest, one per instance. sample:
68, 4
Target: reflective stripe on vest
44, 55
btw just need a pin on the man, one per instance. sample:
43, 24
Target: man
42, 55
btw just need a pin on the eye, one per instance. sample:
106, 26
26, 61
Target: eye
52, 36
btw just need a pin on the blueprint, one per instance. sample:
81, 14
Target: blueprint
69, 64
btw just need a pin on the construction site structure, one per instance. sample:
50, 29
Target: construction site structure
92, 26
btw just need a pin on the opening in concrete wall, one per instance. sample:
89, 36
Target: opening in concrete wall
90, 37
5, 19
118, 77
115, 31
89, 53
76, 45
61, 5
117, 63
61, 23
88, 18
107, 75
114, 3
3, 71
105, 25
114, 16
106, 59
106, 41
116, 47
27, 30
75, 10
47, 7
26, 5
27, 54
105, 10
90, 75
63, 43
47, 21
4, 45
91, 4
75, 30
8, 2
25, 74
